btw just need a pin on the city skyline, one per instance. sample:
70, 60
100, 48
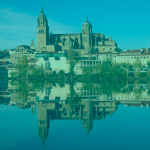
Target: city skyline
18, 25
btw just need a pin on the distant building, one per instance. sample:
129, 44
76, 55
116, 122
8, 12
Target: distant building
32, 45
131, 56
54, 64
3, 54
23, 47
82, 42
46, 55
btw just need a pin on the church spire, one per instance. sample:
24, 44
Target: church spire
42, 8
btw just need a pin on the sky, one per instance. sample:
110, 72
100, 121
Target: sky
126, 21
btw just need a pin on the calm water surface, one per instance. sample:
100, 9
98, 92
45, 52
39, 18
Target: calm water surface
57, 117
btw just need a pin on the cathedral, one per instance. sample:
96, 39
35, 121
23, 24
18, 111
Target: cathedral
83, 42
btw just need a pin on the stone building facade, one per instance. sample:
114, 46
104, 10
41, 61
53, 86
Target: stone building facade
82, 42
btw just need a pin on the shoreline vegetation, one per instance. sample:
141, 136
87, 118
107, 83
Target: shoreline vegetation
105, 72
24, 88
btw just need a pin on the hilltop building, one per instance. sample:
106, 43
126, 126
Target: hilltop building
82, 42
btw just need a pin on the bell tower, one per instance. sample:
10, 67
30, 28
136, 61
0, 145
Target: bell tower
42, 31
87, 34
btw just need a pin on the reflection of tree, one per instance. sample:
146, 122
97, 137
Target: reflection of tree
23, 91
37, 73
137, 68
73, 99
106, 87
137, 90
138, 93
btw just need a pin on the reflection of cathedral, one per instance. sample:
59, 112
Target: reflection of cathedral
82, 42
87, 111
77, 102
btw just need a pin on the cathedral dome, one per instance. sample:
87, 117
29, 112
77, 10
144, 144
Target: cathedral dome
87, 23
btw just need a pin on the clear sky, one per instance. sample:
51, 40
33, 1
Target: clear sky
128, 22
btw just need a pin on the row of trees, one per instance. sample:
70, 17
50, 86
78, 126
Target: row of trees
107, 69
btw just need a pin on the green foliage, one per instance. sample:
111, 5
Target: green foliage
74, 98
23, 66
72, 56
137, 64
23, 91
148, 64
137, 68
118, 50
14, 75
106, 70
61, 72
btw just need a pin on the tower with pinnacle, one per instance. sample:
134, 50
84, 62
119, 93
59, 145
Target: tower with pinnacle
87, 34
42, 31
82, 42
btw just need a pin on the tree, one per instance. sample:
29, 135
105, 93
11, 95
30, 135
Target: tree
118, 50
14, 74
23, 66
148, 64
137, 64
137, 68
37, 73
73, 58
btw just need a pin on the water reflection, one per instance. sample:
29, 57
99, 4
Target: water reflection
75, 101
